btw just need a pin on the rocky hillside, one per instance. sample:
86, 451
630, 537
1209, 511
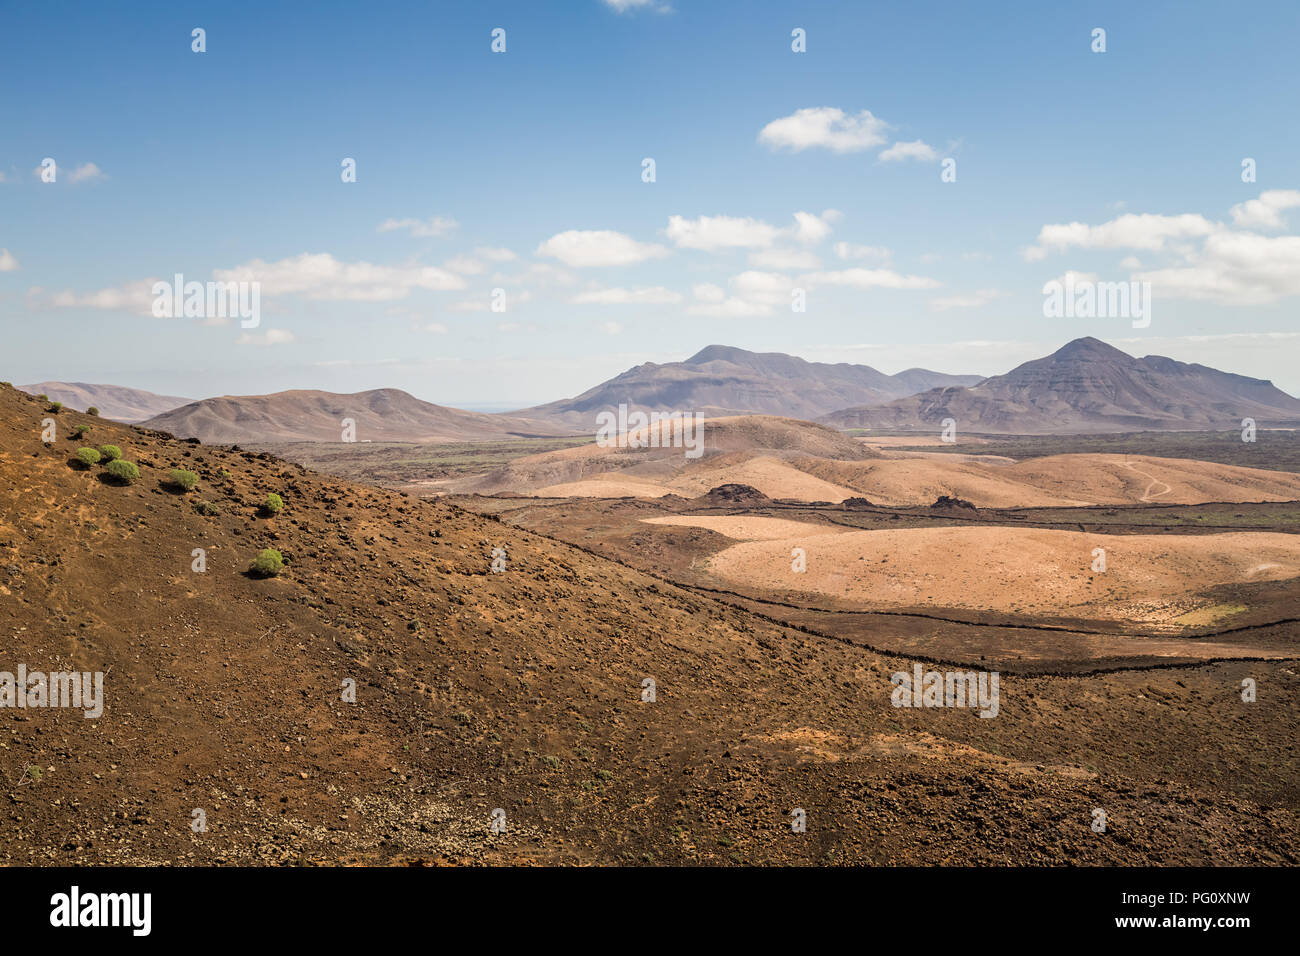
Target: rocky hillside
520, 690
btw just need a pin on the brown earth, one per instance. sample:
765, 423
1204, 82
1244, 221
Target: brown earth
522, 690
1148, 579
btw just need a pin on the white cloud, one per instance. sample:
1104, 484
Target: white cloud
916, 149
581, 248
420, 228
784, 259
269, 337
849, 250
611, 328
1265, 212
655, 295
869, 279
811, 229
1239, 268
86, 173
136, 297
320, 276
1226, 266
494, 254
7, 262
711, 233
752, 293
436, 327
826, 127
1130, 231
969, 300
720, 232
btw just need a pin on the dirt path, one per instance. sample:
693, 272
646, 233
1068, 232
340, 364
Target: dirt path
1146, 495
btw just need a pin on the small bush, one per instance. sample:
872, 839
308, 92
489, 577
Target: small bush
92, 410
208, 508
184, 480
268, 563
56, 407
111, 452
42, 398
88, 456
123, 472
273, 504
80, 431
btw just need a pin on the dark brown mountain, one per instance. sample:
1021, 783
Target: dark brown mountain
113, 401
385, 414
1087, 386
720, 380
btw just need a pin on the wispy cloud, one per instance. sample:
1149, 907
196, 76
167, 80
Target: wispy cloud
322, 277
269, 337
916, 149
653, 295
420, 228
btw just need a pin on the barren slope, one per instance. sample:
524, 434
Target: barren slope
113, 401
385, 414
522, 690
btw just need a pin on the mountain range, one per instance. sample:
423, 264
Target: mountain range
720, 380
1087, 386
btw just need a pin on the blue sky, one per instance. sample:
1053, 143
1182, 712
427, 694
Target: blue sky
522, 171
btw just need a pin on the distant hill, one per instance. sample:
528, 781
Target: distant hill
720, 380
385, 414
722, 441
113, 401
1087, 386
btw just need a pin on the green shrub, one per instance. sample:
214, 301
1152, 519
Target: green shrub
268, 563
56, 407
208, 508
124, 472
88, 456
185, 480
92, 410
111, 452
80, 431
42, 398
273, 504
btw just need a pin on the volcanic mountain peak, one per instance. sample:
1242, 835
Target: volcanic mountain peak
1089, 349
723, 380
1088, 386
